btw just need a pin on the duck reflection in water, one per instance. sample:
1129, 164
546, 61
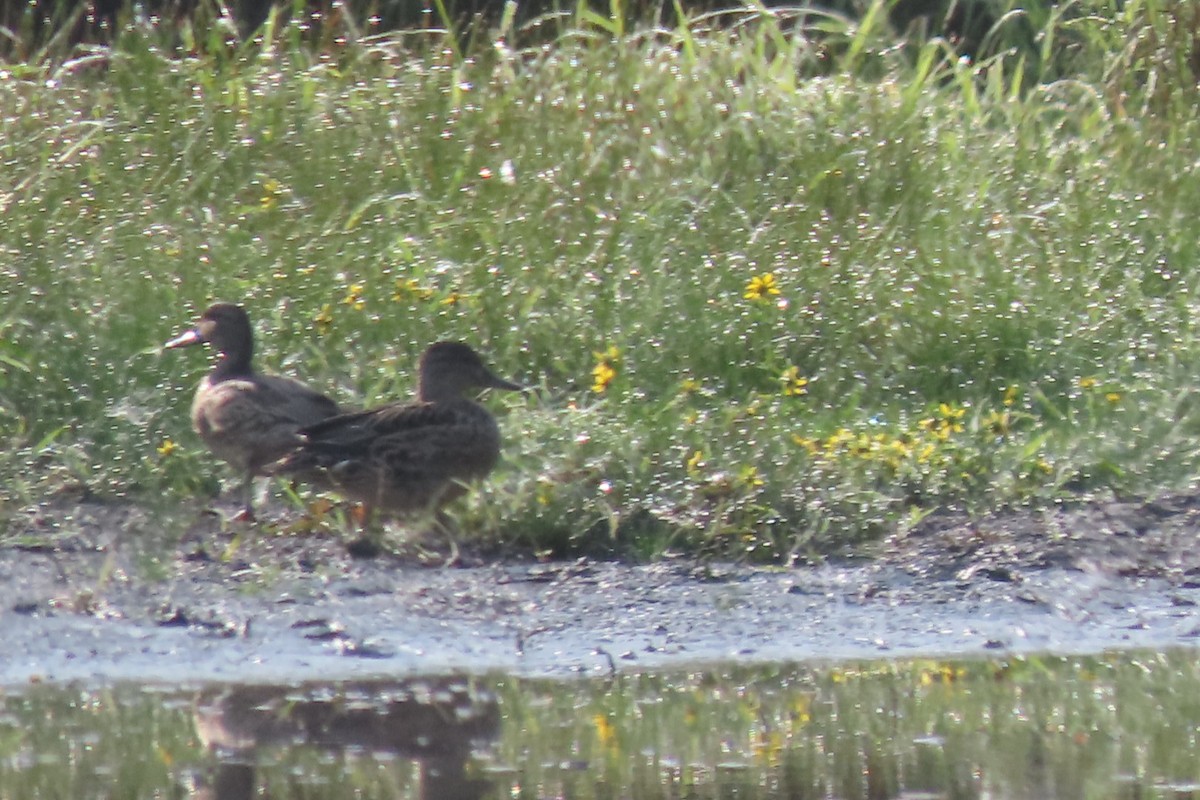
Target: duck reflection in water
435, 722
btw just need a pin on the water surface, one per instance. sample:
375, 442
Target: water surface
1115, 725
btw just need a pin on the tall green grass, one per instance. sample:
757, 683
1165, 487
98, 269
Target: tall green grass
984, 267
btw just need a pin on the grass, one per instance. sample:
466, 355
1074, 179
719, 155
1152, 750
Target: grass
783, 293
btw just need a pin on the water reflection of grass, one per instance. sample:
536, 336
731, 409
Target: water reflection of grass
1045, 727
1110, 726
783, 295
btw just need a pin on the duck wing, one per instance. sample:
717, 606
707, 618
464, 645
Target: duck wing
250, 422
464, 443
294, 400
357, 436
359, 428
407, 441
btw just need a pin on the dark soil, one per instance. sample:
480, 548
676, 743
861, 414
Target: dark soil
99, 593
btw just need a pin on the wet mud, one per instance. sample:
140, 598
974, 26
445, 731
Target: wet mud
91, 594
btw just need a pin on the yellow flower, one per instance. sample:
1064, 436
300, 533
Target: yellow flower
861, 446
768, 748
689, 386
605, 732
612, 355
998, 422
793, 384
323, 321
1010, 395
801, 711
748, 477
695, 463
761, 286
804, 442
1113, 397
941, 673
272, 190
950, 413
950, 422
602, 375
166, 448
454, 298
605, 369
410, 289
839, 438
1086, 383
354, 297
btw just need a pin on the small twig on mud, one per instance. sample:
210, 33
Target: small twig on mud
612, 663
523, 637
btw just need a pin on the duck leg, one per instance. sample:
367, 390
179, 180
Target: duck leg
444, 524
247, 494
366, 545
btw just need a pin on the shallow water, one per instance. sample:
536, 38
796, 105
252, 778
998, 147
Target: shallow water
1116, 725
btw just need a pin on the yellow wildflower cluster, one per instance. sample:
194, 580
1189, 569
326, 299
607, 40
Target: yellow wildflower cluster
879, 448
408, 289
1092, 385
941, 672
940, 450
404, 290
920, 448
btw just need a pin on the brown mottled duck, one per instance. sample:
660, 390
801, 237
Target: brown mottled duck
246, 418
405, 459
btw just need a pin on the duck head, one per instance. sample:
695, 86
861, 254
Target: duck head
226, 328
450, 369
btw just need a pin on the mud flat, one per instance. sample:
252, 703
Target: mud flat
90, 596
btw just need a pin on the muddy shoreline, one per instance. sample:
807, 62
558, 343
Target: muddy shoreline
90, 596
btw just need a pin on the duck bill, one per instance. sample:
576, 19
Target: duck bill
185, 339
496, 382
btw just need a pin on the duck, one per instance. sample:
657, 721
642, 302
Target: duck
407, 458
246, 418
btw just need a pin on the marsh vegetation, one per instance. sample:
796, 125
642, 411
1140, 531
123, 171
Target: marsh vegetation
787, 281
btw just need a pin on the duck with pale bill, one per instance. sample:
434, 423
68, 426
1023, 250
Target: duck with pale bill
246, 418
